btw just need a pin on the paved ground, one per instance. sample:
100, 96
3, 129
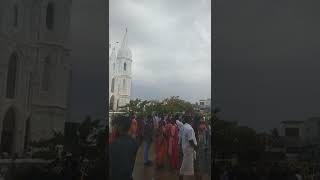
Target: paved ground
142, 172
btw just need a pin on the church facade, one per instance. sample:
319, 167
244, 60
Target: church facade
120, 76
34, 71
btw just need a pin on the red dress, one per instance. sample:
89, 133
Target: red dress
169, 138
133, 128
174, 161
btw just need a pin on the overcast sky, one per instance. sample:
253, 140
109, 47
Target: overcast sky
267, 64
88, 41
171, 46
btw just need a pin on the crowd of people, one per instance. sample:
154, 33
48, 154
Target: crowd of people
183, 140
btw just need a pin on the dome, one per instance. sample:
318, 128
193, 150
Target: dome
124, 53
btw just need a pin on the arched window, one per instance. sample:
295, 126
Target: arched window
50, 16
45, 74
124, 84
7, 134
111, 102
15, 15
125, 66
12, 76
114, 66
117, 104
27, 135
112, 85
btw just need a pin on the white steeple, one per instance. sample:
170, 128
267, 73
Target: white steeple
124, 51
125, 40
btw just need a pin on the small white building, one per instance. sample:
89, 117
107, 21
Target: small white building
205, 104
308, 131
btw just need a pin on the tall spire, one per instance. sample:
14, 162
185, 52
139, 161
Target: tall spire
125, 40
124, 51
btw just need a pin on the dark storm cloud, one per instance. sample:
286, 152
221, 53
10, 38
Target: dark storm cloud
267, 61
170, 42
88, 36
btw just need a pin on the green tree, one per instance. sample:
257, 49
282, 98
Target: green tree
85, 128
169, 105
230, 138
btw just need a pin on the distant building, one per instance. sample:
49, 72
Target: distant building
308, 131
293, 133
205, 105
312, 130
292, 129
301, 138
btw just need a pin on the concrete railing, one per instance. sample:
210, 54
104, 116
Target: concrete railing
9, 165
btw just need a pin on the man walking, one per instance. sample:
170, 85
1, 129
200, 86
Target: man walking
180, 127
148, 133
122, 151
189, 145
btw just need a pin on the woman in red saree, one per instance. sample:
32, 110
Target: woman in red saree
174, 161
169, 137
160, 145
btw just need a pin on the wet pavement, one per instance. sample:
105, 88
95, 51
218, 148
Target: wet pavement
142, 172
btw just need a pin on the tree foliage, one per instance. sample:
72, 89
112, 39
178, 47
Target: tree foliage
168, 105
231, 139
90, 140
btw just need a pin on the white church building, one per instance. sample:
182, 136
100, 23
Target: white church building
120, 75
34, 71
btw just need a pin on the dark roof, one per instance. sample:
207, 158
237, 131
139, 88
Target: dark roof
314, 118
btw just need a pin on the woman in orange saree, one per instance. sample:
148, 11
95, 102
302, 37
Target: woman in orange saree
161, 145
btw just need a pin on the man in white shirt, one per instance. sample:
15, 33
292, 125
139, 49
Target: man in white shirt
156, 120
189, 144
180, 127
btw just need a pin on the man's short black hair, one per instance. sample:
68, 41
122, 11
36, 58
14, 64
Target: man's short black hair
123, 123
177, 116
187, 118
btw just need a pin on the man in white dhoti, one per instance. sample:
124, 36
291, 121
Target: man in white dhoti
189, 144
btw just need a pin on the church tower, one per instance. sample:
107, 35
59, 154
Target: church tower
120, 69
34, 71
